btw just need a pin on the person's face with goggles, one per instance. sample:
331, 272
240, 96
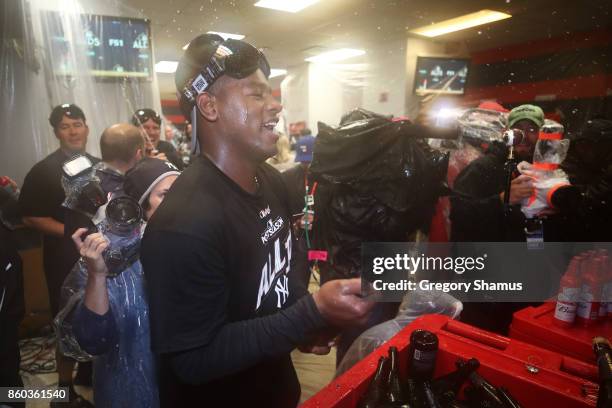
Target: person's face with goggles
526, 135
241, 102
150, 124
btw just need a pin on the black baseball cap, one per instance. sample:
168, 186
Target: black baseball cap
67, 109
142, 115
142, 178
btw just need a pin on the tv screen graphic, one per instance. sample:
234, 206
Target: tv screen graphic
115, 46
440, 76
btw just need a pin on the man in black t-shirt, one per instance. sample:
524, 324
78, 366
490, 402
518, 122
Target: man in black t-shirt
149, 122
40, 203
226, 303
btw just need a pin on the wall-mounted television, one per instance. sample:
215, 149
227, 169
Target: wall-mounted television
446, 76
115, 46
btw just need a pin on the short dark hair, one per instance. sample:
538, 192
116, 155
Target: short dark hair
69, 110
121, 142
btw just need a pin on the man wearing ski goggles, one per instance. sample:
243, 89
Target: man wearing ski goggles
228, 301
234, 58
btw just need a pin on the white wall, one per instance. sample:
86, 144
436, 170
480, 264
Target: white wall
327, 92
320, 92
387, 75
294, 95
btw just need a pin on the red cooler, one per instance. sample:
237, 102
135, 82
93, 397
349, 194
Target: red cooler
536, 325
534, 376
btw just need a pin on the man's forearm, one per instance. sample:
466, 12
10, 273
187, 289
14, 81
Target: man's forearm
240, 345
46, 225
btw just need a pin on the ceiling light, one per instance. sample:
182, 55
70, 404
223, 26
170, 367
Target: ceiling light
166, 67
277, 72
291, 6
227, 36
336, 55
461, 23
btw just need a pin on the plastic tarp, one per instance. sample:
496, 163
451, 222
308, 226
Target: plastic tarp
415, 304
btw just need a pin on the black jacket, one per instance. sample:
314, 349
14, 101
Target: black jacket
589, 167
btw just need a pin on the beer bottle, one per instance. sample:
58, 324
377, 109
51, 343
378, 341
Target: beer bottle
447, 388
429, 400
603, 354
375, 395
507, 399
482, 394
395, 391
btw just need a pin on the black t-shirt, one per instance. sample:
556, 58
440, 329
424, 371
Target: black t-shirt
42, 195
12, 304
218, 263
173, 157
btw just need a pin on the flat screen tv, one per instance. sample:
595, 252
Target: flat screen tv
115, 46
440, 76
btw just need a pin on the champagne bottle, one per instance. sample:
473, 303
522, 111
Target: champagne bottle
395, 391
422, 354
447, 388
375, 395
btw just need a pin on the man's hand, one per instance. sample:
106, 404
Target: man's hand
160, 156
91, 250
322, 343
340, 305
520, 188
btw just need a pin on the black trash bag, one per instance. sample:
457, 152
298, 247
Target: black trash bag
377, 182
589, 167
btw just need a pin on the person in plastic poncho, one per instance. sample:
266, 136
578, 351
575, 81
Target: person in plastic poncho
108, 317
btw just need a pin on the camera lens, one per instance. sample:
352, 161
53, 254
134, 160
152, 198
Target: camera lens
123, 215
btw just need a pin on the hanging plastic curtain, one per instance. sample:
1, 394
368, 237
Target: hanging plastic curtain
49, 56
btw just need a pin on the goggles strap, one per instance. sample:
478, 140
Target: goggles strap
195, 146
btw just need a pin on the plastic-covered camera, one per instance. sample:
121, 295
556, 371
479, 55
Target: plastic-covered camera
82, 186
122, 228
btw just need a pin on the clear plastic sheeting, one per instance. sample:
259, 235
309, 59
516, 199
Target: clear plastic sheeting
548, 177
35, 76
415, 304
74, 188
481, 125
130, 357
551, 126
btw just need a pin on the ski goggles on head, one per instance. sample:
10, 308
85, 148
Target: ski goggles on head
143, 115
69, 110
235, 58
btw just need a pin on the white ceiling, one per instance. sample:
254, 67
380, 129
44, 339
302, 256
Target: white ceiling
288, 38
